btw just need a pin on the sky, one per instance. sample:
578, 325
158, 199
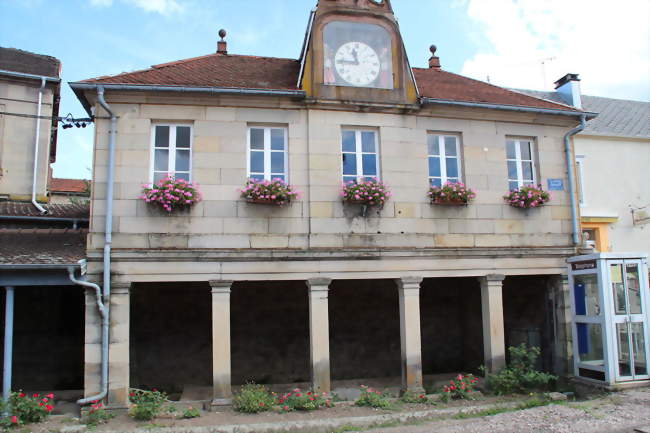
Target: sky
512, 43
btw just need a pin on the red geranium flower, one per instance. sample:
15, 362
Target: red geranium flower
14, 419
49, 408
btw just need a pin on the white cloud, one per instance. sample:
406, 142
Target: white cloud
607, 43
163, 7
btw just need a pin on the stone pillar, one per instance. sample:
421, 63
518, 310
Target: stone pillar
319, 334
493, 331
118, 358
221, 368
92, 346
559, 292
410, 336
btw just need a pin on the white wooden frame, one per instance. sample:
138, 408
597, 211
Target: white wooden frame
268, 175
359, 151
442, 156
171, 163
519, 161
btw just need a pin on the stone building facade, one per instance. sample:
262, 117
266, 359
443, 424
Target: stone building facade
231, 291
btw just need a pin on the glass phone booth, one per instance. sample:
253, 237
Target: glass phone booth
611, 320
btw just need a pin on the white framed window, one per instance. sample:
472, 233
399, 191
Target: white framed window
172, 151
521, 162
267, 153
444, 158
580, 178
360, 154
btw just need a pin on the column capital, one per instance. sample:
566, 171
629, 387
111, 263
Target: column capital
220, 286
120, 288
408, 283
319, 283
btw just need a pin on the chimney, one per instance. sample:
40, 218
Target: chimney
222, 45
434, 61
569, 89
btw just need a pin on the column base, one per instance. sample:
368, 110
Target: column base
418, 390
219, 402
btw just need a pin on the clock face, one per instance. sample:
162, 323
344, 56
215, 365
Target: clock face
357, 55
357, 63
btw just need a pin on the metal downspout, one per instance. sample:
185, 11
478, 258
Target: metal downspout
40, 208
570, 169
8, 346
103, 311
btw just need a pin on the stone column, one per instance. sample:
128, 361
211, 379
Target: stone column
493, 331
319, 334
410, 336
92, 346
221, 368
118, 358
559, 292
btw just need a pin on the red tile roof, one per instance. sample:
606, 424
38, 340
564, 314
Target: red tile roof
22, 209
68, 185
218, 70
42, 246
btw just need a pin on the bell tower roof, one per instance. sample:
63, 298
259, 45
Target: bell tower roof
365, 5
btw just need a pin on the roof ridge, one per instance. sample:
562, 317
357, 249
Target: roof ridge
502, 88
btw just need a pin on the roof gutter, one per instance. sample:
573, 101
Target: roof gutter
78, 87
31, 76
588, 115
35, 267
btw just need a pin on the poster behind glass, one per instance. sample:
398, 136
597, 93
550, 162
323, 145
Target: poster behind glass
358, 55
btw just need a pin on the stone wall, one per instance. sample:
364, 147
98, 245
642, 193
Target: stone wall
319, 219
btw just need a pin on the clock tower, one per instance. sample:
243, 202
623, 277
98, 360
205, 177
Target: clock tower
355, 53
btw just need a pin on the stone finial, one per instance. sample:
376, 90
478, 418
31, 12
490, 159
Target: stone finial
222, 45
434, 61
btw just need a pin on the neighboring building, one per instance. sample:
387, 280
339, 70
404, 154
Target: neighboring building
39, 242
612, 158
231, 291
66, 191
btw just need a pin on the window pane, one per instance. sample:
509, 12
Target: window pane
369, 164
182, 160
436, 181
185, 176
257, 138
434, 148
349, 164
279, 176
527, 170
157, 177
510, 149
368, 142
162, 136
585, 292
525, 149
277, 139
452, 167
512, 170
349, 142
161, 160
257, 162
633, 288
624, 367
618, 289
638, 346
590, 343
452, 179
434, 166
257, 176
513, 185
277, 162
450, 146
183, 136
349, 178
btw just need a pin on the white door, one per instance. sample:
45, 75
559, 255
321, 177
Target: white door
630, 323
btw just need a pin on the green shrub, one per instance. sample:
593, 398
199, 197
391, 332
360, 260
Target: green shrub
461, 387
372, 398
299, 400
253, 398
97, 415
23, 409
414, 397
147, 404
191, 412
520, 375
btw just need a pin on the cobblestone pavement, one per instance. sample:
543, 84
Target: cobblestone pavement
620, 412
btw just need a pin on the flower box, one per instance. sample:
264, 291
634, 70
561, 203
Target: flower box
268, 192
527, 197
171, 194
451, 194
